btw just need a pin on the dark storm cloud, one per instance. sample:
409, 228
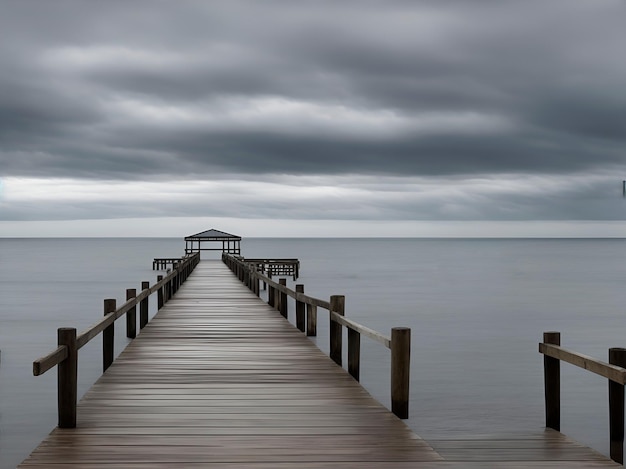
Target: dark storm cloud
191, 89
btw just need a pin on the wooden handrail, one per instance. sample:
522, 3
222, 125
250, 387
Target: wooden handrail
614, 371
65, 356
309, 300
246, 271
46, 362
366, 331
95, 329
43, 364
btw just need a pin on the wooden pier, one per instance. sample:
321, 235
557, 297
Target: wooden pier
219, 378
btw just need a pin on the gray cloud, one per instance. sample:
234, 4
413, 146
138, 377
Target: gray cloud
215, 90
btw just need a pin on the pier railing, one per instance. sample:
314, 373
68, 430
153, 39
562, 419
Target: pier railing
277, 292
614, 371
65, 356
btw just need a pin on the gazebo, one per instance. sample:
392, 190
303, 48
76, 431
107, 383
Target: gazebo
230, 243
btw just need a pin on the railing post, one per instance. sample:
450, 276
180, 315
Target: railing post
67, 379
283, 299
354, 353
311, 320
617, 356
143, 307
552, 383
300, 309
254, 280
168, 288
131, 315
175, 279
400, 370
108, 336
159, 293
337, 305
270, 293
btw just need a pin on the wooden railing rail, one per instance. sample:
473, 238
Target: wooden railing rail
366, 331
614, 371
65, 356
306, 320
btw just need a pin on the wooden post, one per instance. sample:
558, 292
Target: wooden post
337, 305
257, 285
108, 336
300, 309
131, 315
400, 370
311, 320
270, 293
244, 274
159, 293
67, 379
552, 383
283, 299
617, 356
143, 307
165, 287
175, 279
354, 353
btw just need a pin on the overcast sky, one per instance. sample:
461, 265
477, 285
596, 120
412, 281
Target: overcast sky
321, 117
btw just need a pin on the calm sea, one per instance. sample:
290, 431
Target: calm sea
477, 309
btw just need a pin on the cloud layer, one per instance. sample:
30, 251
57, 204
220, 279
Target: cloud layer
358, 110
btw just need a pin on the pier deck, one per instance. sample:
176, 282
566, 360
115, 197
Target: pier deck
219, 379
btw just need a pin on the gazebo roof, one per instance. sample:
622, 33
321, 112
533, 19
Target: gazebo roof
210, 235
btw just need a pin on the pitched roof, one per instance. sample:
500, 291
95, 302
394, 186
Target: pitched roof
214, 234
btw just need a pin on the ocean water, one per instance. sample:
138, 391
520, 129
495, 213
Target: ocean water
477, 309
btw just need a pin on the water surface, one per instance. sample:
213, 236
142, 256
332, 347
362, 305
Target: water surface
477, 309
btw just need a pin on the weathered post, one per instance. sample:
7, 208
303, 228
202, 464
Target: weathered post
400, 370
617, 356
255, 280
159, 293
108, 336
131, 315
283, 298
245, 278
270, 292
175, 279
354, 353
67, 378
300, 309
166, 287
552, 383
143, 307
311, 320
337, 305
